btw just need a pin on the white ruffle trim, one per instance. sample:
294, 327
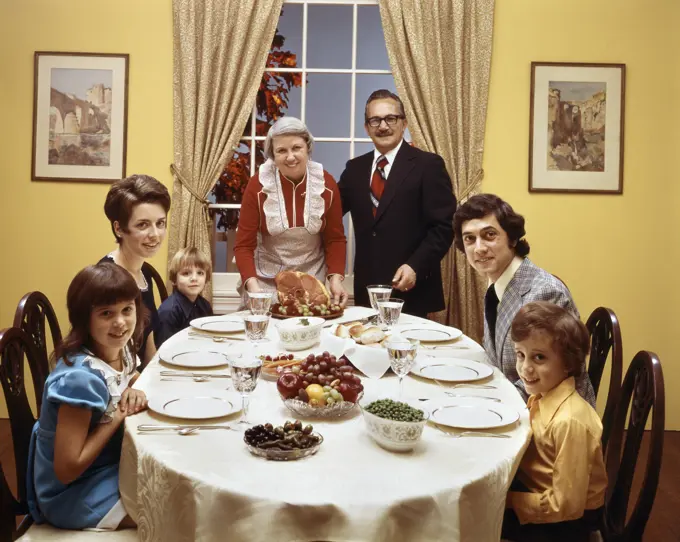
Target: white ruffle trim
274, 206
115, 381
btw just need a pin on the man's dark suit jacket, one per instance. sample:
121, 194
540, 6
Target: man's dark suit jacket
413, 225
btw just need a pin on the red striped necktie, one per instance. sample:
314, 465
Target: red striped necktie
378, 183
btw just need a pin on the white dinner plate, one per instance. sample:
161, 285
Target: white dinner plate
471, 413
431, 334
197, 407
452, 369
218, 324
195, 358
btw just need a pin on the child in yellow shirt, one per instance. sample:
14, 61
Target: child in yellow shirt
560, 486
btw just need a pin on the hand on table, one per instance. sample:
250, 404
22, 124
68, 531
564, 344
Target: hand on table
404, 279
132, 401
338, 293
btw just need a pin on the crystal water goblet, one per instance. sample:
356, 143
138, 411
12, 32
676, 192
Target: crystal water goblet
402, 353
245, 372
389, 311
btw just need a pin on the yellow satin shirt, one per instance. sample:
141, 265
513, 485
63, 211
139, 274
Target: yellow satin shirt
563, 467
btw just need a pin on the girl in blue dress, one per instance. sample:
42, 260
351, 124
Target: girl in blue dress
76, 444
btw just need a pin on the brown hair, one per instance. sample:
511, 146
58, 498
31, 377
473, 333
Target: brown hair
189, 257
126, 194
569, 335
482, 205
95, 286
384, 94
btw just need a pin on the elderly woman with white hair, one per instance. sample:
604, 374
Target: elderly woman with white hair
291, 216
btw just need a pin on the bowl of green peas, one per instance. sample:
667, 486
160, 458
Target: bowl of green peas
394, 425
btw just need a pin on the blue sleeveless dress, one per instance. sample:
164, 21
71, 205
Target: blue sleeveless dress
92, 384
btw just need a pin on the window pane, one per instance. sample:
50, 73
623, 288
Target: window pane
333, 156
361, 147
279, 95
371, 50
328, 104
234, 179
367, 83
232, 183
224, 238
329, 36
286, 51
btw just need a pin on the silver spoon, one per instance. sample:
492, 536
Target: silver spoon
195, 379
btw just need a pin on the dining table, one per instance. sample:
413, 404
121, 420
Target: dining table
206, 485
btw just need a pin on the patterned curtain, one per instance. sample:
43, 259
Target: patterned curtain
220, 50
440, 54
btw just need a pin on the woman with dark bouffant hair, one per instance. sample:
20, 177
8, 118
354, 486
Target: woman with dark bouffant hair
76, 443
137, 208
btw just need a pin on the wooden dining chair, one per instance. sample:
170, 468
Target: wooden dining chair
642, 391
605, 339
158, 280
33, 314
15, 347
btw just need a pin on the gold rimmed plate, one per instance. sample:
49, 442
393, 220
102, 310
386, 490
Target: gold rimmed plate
472, 413
218, 324
195, 407
452, 370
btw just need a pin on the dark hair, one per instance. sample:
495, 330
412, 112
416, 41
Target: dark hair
126, 194
482, 205
384, 94
95, 286
569, 335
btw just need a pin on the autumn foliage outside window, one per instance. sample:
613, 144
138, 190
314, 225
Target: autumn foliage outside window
271, 104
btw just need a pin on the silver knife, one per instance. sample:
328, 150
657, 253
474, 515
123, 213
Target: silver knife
194, 375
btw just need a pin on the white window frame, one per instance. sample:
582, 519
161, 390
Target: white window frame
225, 297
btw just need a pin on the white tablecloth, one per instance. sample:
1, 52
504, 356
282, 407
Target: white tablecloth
207, 486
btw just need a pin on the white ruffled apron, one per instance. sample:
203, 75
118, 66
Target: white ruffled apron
284, 248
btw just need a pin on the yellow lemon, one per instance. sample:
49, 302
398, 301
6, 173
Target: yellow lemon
315, 391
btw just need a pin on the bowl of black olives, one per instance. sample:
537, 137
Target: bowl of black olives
287, 442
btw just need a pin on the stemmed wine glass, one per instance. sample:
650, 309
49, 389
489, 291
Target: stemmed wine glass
256, 326
259, 302
244, 374
389, 311
402, 353
378, 292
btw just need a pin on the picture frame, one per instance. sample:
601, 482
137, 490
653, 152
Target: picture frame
80, 103
576, 127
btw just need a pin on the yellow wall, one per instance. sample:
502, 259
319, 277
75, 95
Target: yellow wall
617, 251
49, 231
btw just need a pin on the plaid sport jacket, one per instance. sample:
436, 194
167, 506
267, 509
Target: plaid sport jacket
530, 283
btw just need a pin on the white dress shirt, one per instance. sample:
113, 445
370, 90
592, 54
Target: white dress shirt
391, 155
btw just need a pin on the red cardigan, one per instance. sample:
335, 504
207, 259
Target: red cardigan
252, 219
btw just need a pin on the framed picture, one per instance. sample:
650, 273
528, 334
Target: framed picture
576, 127
79, 117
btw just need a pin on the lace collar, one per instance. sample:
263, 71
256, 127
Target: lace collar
275, 205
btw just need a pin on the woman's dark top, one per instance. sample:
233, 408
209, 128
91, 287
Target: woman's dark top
149, 302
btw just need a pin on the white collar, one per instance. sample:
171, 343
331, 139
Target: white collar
502, 283
390, 155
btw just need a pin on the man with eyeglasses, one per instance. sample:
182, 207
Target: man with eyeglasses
402, 204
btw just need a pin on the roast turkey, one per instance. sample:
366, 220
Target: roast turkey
297, 287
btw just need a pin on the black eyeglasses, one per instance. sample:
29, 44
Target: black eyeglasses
391, 120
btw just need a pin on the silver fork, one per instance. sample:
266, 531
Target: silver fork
471, 434
466, 385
